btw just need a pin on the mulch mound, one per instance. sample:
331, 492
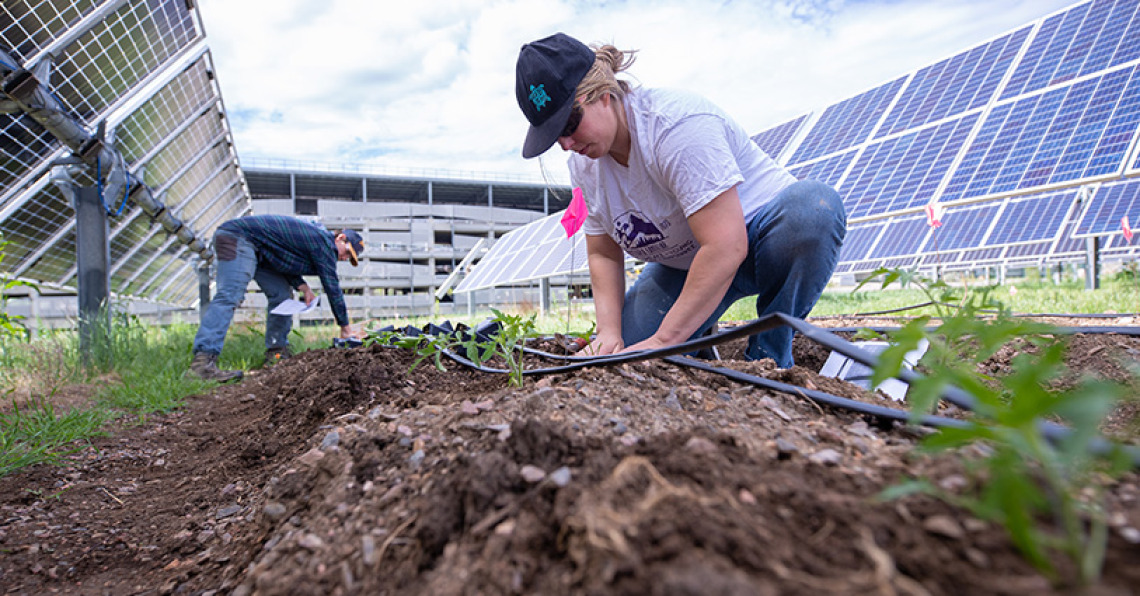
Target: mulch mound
341, 471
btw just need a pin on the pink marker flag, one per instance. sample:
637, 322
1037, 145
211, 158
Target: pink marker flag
576, 213
1126, 229
934, 213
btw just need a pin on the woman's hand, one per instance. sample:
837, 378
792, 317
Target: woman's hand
652, 343
603, 344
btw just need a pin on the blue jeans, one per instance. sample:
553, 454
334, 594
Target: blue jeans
793, 246
237, 265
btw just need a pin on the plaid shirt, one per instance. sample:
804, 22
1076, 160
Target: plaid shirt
293, 248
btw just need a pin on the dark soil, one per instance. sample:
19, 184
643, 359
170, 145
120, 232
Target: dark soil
341, 472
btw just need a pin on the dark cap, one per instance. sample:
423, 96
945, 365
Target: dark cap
546, 77
355, 245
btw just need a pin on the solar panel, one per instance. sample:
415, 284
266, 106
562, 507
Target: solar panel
829, 170
902, 236
847, 123
900, 262
858, 241
963, 228
1027, 250
955, 85
30, 228
1111, 202
25, 150
774, 140
116, 54
982, 256
1067, 244
139, 68
1034, 218
1074, 133
1086, 38
537, 250
903, 172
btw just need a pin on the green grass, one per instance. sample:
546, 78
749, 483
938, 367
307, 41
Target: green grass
36, 434
139, 370
1114, 296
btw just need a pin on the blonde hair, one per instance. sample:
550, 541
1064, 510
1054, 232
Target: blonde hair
602, 78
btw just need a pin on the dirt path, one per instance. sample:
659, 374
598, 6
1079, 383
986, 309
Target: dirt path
339, 472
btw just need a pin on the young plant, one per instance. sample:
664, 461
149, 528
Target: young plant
476, 350
509, 342
424, 346
1046, 494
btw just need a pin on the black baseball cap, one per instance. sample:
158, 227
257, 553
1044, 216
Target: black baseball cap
355, 245
546, 77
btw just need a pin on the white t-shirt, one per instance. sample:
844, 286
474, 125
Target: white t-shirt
684, 153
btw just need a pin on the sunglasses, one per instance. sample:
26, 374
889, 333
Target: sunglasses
572, 122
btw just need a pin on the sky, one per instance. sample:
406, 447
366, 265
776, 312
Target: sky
428, 86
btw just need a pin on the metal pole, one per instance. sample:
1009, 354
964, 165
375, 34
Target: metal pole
1092, 267
203, 290
93, 256
544, 295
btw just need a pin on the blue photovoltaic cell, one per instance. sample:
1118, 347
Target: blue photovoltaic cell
775, 139
963, 228
1033, 218
828, 170
1027, 250
981, 255
903, 172
847, 123
858, 242
1069, 245
1108, 206
955, 85
1082, 40
903, 236
899, 263
1075, 132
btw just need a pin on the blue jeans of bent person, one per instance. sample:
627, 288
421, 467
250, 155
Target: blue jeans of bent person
793, 247
236, 266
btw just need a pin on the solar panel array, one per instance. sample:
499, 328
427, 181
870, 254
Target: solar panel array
141, 70
1028, 140
1036, 125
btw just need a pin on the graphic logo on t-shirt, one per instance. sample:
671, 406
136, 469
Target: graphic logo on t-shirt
636, 231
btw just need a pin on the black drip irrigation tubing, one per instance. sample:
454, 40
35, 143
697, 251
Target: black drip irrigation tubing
672, 354
984, 311
1131, 331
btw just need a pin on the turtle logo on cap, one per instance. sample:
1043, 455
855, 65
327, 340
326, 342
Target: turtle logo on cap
538, 96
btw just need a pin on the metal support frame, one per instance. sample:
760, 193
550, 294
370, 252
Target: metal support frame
93, 254
30, 92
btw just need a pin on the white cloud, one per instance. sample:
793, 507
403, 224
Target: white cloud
431, 84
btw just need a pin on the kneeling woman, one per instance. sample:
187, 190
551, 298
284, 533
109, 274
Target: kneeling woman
671, 179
